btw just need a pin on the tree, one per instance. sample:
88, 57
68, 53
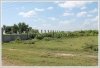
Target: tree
8, 29
15, 28
33, 33
4, 27
22, 27
30, 28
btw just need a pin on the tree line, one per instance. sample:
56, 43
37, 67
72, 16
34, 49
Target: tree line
21, 28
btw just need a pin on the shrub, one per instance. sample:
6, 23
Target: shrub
39, 36
92, 47
58, 40
18, 40
32, 36
57, 36
29, 42
47, 38
95, 48
32, 33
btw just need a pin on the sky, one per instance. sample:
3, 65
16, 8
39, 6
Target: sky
54, 15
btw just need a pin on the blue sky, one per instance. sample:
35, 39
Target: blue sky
55, 15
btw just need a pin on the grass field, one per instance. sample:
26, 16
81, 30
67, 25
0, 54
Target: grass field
58, 52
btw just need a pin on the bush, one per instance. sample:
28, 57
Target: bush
47, 38
92, 47
58, 40
32, 33
18, 40
29, 42
32, 36
57, 36
39, 36
95, 48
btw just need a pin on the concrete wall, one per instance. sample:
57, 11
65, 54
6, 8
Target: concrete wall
7, 38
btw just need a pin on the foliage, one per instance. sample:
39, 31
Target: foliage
89, 46
49, 53
69, 34
29, 42
21, 27
15, 28
8, 29
32, 33
47, 38
18, 40
39, 36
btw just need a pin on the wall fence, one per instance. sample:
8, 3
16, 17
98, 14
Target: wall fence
7, 38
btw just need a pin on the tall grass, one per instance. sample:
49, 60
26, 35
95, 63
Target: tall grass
43, 52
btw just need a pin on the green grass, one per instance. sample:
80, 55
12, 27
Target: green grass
45, 53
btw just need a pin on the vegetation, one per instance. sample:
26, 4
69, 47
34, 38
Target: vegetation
23, 28
29, 42
20, 28
63, 34
89, 46
18, 40
47, 38
77, 48
33, 33
60, 52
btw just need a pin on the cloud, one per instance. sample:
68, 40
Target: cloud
65, 22
54, 24
83, 8
91, 23
67, 14
56, 2
50, 8
67, 25
21, 8
45, 27
73, 4
89, 15
28, 13
52, 18
82, 14
95, 18
91, 20
94, 10
37, 9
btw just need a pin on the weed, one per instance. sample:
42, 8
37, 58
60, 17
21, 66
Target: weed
29, 42
18, 40
89, 46
47, 38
